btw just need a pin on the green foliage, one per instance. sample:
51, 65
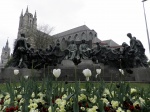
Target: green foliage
149, 62
76, 97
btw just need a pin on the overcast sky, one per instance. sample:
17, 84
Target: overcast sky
111, 19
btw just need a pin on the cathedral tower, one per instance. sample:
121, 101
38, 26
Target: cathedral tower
5, 54
27, 25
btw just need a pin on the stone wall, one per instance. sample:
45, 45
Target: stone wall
69, 71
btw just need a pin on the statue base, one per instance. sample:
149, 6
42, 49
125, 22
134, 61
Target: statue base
67, 63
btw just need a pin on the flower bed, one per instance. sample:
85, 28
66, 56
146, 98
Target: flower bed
53, 96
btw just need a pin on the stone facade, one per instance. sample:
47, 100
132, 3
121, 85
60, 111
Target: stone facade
27, 25
77, 34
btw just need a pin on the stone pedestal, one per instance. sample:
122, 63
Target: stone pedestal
67, 63
8, 74
85, 64
69, 70
142, 74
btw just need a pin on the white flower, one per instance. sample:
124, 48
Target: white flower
136, 103
119, 109
87, 78
105, 100
82, 108
41, 95
16, 72
19, 96
61, 103
114, 103
21, 101
26, 76
93, 109
64, 96
56, 72
98, 71
33, 95
33, 106
82, 97
121, 71
106, 91
7, 97
34, 110
1, 96
142, 101
7, 102
87, 73
133, 90
50, 109
93, 100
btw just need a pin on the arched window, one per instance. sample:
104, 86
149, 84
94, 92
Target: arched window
95, 35
83, 36
57, 41
76, 37
90, 36
69, 38
63, 44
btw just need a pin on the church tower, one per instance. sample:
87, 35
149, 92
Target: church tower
5, 56
27, 25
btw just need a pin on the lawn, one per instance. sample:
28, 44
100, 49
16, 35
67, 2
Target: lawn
50, 95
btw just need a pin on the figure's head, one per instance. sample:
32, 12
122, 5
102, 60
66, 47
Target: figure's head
134, 38
129, 35
124, 44
83, 41
117, 49
58, 44
32, 49
28, 45
40, 49
97, 43
72, 42
22, 35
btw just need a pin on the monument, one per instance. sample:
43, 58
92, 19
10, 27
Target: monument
79, 57
78, 49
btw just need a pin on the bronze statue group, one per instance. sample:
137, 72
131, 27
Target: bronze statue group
126, 56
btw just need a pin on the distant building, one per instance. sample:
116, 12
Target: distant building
77, 34
5, 56
80, 33
28, 24
111, 44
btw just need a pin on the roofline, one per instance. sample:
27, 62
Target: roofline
70, 33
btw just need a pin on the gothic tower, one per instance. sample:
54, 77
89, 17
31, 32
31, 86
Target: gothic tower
27, 25
5, 54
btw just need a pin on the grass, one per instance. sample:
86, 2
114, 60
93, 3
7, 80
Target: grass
132, 85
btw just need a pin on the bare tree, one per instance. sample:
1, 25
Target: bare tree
40, 38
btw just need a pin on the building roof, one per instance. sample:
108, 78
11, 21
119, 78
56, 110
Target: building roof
110, 42
77, 29
95, 40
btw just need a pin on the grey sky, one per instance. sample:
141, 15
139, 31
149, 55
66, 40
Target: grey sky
111, 19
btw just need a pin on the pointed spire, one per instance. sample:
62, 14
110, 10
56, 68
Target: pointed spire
35, 15
21, 13
7, 42
27, 10
6, 46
